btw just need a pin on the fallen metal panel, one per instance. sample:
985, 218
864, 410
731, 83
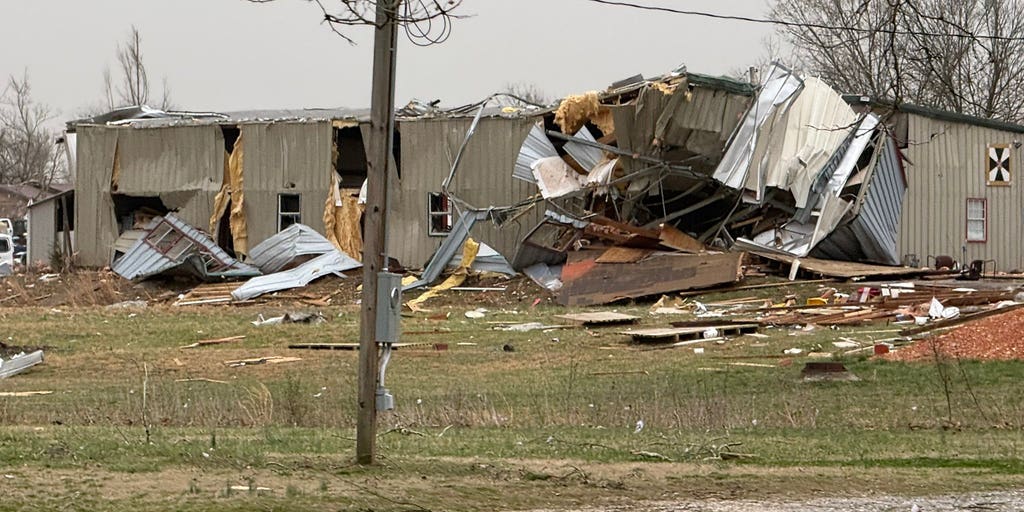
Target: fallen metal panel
170, 242
334, 262
19, 363
276, 252
535, 147
451, 245
587, 282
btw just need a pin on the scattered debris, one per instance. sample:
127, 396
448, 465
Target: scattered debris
599, 318
128, 304
19, 363
818, 371
476, 313
217, 341
678, 334
291, 318
261, 360
24, 393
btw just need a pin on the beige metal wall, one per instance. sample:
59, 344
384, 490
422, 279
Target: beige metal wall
948, 165
94, 212
183, 166
285, 158
484, 179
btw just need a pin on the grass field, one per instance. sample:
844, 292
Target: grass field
131, 423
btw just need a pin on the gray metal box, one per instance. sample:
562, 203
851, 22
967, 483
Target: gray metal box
389, 307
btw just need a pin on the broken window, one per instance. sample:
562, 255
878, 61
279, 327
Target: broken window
439, 214
288, 211
977, 222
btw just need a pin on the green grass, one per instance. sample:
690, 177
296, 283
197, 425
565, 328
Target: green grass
559, 412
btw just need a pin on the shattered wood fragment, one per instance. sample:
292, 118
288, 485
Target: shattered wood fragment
217, 341
24, 393
587, 282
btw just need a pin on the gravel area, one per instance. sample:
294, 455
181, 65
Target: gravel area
993, 338
1004, 501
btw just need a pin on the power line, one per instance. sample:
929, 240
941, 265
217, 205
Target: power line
794, 24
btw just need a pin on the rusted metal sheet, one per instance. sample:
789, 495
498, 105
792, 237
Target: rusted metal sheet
588, 282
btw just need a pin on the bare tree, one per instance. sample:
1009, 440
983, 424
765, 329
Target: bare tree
28, 151
131, 85
962, 56
525, 94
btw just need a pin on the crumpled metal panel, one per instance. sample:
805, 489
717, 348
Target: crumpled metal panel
535, 147
814, 128
334, 262
872, 234
586, 155
170, 242
779, 88
296, 240
452, 243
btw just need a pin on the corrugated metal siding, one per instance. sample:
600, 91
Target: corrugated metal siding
285, 158
42, 219
871, 236
184, 166
94, 214
949, 163
484, 179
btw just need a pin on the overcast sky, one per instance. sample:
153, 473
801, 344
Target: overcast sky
224, 55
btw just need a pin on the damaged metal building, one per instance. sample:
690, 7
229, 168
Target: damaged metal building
245, 176
671, 178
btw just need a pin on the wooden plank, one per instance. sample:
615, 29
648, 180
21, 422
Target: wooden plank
623, 255
218, 341
756, 287
599, 317
586, 282
843, 269
674, 239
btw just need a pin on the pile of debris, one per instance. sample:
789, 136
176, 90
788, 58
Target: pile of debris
290, 259
646, 187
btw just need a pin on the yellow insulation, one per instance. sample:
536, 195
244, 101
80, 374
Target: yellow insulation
469, 252
577, 110
342, 212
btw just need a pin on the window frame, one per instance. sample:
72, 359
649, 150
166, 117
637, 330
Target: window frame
297, 214
984, 220
445, 213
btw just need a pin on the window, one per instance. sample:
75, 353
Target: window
288, 211
5, 245
439, 214
977, 221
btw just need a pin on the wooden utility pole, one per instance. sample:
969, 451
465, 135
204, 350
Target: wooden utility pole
382, 108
